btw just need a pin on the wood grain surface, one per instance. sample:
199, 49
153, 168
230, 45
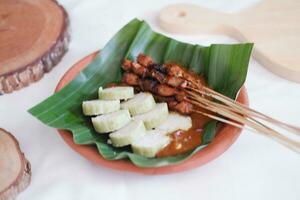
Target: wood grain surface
15, 171
33, 39
273, 25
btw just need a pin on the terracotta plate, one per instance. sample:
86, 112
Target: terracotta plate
224, 139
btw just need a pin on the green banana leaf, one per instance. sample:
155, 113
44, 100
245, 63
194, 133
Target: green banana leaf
224, 66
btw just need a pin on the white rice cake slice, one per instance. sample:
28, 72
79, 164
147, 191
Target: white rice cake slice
175, 122
111, 122
116, 93
139, 104
154, 117
150, 144
98, 107
126, 135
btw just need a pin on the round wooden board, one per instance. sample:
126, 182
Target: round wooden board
33, 38
15, 171
224, 139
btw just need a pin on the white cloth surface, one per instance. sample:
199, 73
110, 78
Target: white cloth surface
253, 168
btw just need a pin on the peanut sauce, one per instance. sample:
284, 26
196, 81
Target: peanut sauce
183, 141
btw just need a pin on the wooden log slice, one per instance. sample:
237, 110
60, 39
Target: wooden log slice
33, 38
15, 172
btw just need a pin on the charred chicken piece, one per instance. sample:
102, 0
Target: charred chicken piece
180, 96
163, 81
164, 99
174, 70
149, 85
165, 90
127, 65
184, 107
158, 72
176, 81
160, 68
162, 93
144, 84
130, 79
172, 104
139, 69
144, 60
171, 101
160, 77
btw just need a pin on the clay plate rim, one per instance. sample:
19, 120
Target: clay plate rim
224, 139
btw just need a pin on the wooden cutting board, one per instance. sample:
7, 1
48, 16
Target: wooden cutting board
273, 25
33, 39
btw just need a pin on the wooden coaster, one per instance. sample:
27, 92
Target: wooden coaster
33, 39
15, 170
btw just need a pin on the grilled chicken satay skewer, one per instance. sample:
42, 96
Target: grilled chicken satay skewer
252, 124
171, 77
161, 92
192, 83
151, 77
176, 71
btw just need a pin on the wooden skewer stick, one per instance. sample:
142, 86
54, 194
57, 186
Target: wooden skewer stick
233, 103
211, 106
219, 119
219, 106
242, 109
224, 120
226, 110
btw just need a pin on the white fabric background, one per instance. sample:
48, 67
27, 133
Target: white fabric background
253, 168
